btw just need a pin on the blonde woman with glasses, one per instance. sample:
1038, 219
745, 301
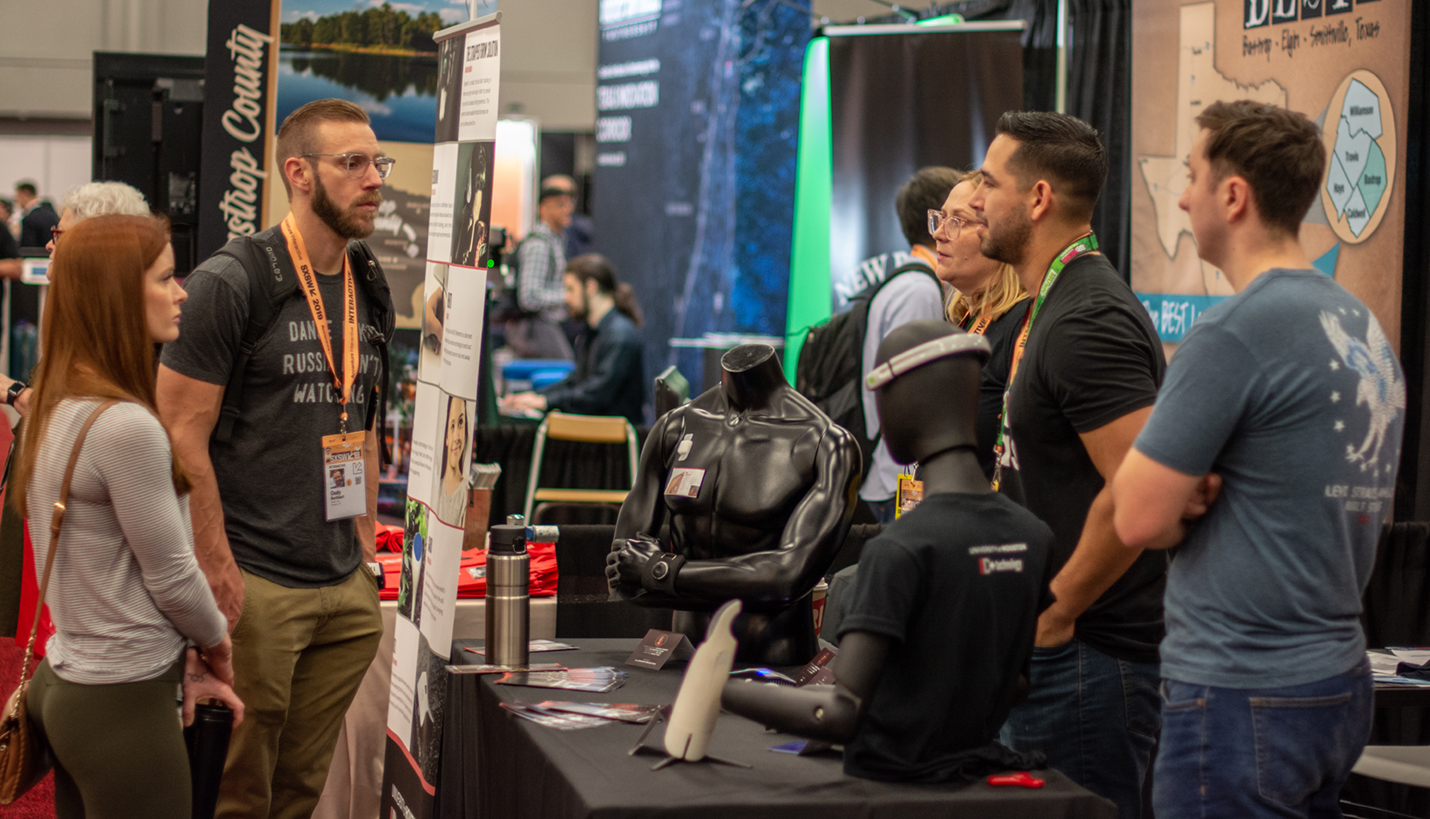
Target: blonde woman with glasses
986, 299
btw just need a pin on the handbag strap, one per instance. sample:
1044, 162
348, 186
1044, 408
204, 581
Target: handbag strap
56, 522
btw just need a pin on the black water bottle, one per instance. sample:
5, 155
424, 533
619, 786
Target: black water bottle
208, 739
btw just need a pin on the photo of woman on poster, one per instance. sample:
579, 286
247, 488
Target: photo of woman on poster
452, 477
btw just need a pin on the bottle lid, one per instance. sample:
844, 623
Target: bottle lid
508, 539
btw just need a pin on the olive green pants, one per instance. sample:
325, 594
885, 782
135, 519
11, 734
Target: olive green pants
119, 749
298, 658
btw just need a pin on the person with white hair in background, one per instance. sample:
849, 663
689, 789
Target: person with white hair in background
81, 203
97, 199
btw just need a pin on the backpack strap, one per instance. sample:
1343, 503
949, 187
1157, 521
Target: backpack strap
907, 267
269, 285
384, 321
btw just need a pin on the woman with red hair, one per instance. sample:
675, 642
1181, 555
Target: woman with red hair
126, 592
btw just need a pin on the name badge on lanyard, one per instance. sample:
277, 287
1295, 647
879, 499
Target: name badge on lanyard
344, 481
344, 476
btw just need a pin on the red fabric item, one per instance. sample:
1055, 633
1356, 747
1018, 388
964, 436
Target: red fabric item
472, 577
389, 538
29, 595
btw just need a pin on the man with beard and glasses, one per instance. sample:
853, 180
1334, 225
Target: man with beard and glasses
609, 378
288, 558
1086, 368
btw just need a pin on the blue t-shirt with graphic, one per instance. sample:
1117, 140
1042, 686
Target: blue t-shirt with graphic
1291, 392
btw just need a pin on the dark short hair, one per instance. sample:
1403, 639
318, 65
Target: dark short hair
1062, 149
298, 133
27, 188
926, 190
1278, 152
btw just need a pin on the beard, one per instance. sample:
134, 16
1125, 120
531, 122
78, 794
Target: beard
347, 224
1008, 240
580, 314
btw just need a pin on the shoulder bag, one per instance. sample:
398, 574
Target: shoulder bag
24, 760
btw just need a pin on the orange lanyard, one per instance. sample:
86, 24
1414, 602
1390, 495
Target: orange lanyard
981, 326
308, 279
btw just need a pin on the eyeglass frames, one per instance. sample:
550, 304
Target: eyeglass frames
357, 164
937, 219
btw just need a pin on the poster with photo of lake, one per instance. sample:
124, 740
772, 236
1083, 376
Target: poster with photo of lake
380, 56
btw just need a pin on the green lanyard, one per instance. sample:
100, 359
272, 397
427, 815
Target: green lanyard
1081, 246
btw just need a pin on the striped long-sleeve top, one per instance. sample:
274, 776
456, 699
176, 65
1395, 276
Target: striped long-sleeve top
126, 588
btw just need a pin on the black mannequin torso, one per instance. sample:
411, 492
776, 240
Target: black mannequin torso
757, 486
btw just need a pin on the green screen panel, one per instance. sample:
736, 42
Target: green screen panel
809, 295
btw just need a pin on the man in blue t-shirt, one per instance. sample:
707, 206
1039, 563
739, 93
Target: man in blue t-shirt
1279, 426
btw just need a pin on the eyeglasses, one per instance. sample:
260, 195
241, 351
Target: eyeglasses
357, 164
55, 234
937, 219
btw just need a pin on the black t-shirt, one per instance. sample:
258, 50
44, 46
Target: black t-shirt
270, 472
1092, 357
1002, 335
957, 584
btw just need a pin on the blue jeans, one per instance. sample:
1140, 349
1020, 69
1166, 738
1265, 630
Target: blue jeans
1260, 752
1095, 717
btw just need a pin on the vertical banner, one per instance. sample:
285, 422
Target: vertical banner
697, 125
451, 309
902, 98
1343, 63
239, 77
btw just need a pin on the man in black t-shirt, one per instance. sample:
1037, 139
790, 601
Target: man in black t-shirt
1081, 390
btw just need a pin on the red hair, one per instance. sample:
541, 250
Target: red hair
94, 335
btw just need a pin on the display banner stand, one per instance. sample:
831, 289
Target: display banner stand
445, 414
240, 78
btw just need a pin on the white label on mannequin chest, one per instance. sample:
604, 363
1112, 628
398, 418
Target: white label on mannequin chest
685, 483
683, 448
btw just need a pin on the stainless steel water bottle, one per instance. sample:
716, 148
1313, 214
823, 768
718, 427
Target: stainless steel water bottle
508, 594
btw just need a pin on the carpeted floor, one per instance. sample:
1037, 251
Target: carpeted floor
39, 803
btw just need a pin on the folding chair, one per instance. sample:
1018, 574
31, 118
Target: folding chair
596, 429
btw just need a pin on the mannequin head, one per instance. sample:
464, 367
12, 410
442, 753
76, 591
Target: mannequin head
931, 407
750, 375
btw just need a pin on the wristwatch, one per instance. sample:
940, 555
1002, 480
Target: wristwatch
16, 387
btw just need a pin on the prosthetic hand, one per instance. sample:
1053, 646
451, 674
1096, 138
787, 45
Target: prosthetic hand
638, 564
823, 712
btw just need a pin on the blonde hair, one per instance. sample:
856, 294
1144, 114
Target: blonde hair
997, 298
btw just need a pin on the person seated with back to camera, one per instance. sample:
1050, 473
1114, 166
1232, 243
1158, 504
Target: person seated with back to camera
939, 631
609, 378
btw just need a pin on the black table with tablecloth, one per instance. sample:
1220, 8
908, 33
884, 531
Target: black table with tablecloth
497, 765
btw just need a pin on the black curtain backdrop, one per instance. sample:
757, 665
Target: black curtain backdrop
901, 102
1099, 87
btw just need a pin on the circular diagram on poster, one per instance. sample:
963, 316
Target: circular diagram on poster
1359, 134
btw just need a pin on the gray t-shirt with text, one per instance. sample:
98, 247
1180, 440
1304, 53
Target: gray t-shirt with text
1291, 392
